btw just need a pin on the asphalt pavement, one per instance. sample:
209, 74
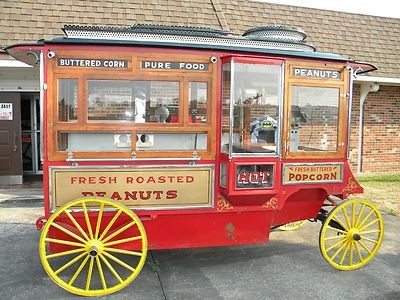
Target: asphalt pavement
289, 267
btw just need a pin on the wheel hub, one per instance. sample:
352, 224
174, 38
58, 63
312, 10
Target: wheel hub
94, 248
93, 252
356, 237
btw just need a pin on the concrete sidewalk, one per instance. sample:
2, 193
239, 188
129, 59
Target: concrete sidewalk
27, 194
31, 189
22, 203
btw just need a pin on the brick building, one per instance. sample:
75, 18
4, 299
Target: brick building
375, 138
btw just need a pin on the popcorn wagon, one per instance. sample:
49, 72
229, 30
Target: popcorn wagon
165, 137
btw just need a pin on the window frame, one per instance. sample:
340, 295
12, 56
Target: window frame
133, 72
232, 60
340, 84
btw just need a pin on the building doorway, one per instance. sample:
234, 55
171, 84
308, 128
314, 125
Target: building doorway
30, 134
10, 143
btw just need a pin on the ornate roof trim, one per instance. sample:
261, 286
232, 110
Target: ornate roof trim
269, 37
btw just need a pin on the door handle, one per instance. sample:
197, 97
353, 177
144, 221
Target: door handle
15, 141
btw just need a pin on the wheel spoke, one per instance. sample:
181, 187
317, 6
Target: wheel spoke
71, 217
370, 240
336, 244
370, 231
345, 252
346, 217
102, 279
78, 271
335, 237
338, 250
353, 214
358, 252
365, 247
337, 230
66, 231
59, 254
89, 226
116, 216
70, 263
122, 241
369, 224
64, 242
351, 253
110, 267
89, 275
120, 230
118, 261
360, 213
99, 218
122, 251
365, 219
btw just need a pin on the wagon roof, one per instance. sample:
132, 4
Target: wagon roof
274, 40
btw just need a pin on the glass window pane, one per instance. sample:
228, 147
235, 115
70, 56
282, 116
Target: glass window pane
197, 102
163, 102
223, 175
226, 96
256, 96
314, 119
105, 141
109, 141
133, 101
26, 115
67, 100
171, 141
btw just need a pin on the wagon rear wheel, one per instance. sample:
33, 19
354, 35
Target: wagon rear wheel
93, 246
351, 234
293, 225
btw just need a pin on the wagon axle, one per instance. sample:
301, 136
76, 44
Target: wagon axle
93, 252
323, 215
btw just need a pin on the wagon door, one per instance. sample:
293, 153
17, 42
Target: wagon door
251, 127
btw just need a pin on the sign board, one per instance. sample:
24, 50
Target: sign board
92, 63
254, 176
147, 187
316, 73
312, 173
174, 65
6, 111
26, 137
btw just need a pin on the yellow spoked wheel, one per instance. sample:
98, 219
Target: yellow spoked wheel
93, 246
293, 225
351, 235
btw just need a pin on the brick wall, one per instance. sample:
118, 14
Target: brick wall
381, 130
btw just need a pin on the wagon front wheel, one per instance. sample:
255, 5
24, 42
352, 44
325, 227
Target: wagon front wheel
93, 246
351, 234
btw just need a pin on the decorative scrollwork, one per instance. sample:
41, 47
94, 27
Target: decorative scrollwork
223, 204
271, 203
351, 186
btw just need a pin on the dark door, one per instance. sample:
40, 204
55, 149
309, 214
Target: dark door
10, 138
30, 134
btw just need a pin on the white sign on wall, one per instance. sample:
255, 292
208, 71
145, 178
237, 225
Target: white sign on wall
6, 111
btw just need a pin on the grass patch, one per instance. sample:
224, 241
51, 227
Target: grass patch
379, 178
383, 189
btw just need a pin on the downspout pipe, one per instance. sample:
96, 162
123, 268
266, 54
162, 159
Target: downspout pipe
366, 88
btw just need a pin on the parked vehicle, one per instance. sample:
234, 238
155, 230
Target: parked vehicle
159, 137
